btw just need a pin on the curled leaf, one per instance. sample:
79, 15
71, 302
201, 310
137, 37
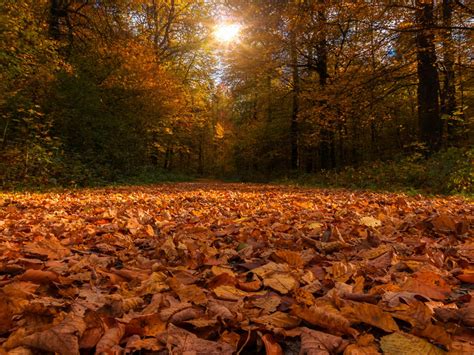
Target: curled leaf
111, 338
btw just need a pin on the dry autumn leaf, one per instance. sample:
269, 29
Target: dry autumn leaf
62, 338
180, 341
407, 344
324, 318
315, 342
371, 314
428, 284
271, 346
143, 270
370, 222
278, 320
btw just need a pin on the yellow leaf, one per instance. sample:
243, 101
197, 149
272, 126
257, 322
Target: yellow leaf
407, 344
370, 222
282, 283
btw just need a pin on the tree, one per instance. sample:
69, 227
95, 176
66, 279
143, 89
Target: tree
428, 80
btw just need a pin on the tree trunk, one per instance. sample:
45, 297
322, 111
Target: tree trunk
448, 94
430, 124
54, 16
295, 102
327, 152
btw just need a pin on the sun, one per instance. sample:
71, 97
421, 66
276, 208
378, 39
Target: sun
227, 32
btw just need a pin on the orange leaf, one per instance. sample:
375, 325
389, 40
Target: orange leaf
271, 346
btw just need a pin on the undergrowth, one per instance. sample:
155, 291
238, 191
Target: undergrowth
447, 172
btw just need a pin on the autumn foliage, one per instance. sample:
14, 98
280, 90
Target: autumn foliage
220, 269
98, 92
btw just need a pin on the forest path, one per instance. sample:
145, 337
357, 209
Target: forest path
214, 267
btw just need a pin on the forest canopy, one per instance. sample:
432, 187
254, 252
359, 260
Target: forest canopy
100, 91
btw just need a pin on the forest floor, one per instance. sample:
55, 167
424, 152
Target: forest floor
223, 268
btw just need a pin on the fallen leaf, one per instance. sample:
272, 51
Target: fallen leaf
324, 318
371, 314
110, 338
365, 346
39, 276
145, 325
315, 342
188, 293
280, 282
428, 284
180, 341
271, 346
407, 344
135, 343
232, 293
278, 320
370, 222
62, 338
290, 257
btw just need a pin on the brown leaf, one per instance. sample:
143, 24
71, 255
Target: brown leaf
154, 284
317, 343
428, 284
48, 248
417, 314
467, 276
21, 350
250, 286
62, 338
94, 331
435, 333
278, 320
12, 301
185, 315
145, 325
371, 314
233, 294
167, 312
188, 293
218, 270
324, 318
292, 258
365, 346
443, 223
111, 338
280, 282
39, 276
135, 343
464, 315
269, 302
180, 341
218, 310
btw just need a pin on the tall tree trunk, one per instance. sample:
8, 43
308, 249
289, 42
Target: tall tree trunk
327, 152
430, 123
55, 10
448, 94
295, 102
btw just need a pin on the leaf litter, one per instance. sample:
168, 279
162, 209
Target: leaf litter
207, 268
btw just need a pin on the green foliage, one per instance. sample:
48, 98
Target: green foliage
28, 63
447, 172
